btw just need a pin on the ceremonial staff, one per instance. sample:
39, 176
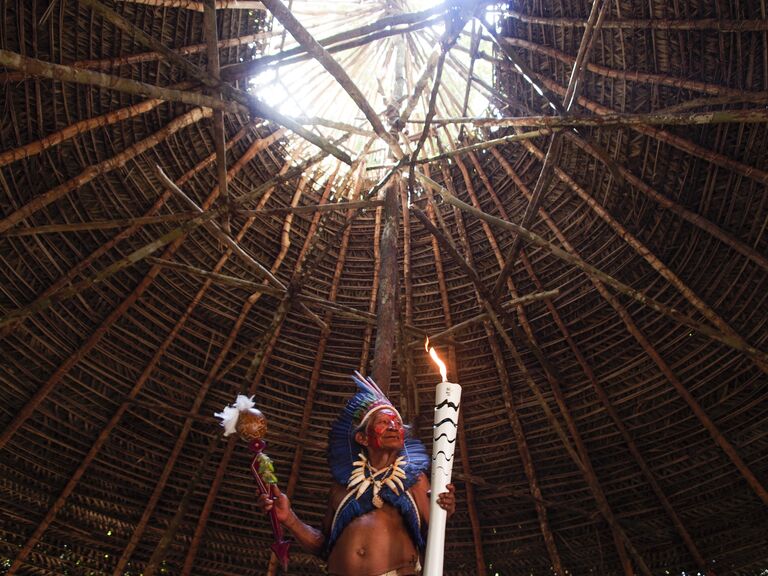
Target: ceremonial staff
251, 425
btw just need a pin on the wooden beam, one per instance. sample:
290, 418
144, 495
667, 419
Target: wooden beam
92, 172
387, 304
106, 246
99, 224
175, 239
666, 370
219, 135
313, 47
561, 254
254, 106
132, 396
218, 232
554, 380
484, 317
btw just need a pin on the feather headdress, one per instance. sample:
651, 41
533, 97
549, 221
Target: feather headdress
342, 447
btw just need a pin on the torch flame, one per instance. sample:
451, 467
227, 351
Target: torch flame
436, 360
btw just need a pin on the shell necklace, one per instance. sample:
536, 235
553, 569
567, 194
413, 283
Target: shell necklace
365, 475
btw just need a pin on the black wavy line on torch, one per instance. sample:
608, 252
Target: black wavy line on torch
443, 421
446, 435
447, 402
444, 456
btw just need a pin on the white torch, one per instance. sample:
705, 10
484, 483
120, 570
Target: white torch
444, 431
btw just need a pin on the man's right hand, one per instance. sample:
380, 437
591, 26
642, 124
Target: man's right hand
278, 501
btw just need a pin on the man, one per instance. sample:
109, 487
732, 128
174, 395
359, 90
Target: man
378, 510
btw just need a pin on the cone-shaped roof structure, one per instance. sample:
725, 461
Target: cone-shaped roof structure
206, 198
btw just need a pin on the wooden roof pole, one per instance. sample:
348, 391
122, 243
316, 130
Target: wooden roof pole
158, 555
599, 390
650, 24
525, 455
409, 393
86, 262
366, 352
688, 215
654, 355
463, 448
554, 381
213, 373
313, 47
622, 74
314, 379
219, 135
253, 105
105, 64
197, 5
673, 140
175, 240
387, 300
394, 24
148, 249
496, 312
552, 156
213, 491
117, 416
118, 160
651, 258
78, 128
267, 343
448, 197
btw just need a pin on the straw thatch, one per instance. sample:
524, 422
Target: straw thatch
569, 197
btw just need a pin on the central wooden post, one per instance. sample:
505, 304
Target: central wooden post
387, 297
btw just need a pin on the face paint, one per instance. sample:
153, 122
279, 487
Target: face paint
383, 428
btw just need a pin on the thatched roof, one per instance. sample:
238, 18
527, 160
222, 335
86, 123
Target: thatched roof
614, 373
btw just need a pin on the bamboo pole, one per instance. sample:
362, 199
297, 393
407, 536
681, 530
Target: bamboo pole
121, 159
174, 238
138, 386
252, 105
561, 254
653, 260
259, 145
100, 224
723, 25
219, 135
554, 379
305, 39
666, 370
198, 6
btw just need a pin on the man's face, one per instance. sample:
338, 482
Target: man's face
385, 430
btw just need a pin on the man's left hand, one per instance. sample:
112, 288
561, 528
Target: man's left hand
447, 500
